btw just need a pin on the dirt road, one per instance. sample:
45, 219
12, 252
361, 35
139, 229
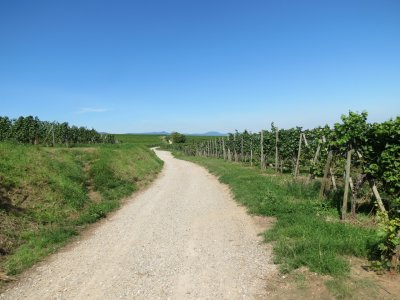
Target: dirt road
182, 238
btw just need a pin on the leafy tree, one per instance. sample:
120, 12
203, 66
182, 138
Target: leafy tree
177, 137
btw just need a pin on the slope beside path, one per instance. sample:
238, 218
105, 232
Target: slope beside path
182, 238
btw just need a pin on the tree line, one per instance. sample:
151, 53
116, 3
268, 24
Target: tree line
31, 130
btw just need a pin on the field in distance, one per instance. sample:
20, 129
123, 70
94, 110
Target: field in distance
151, 140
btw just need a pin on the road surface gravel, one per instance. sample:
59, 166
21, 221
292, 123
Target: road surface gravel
184, 237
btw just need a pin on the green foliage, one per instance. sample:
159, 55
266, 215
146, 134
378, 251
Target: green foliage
382, 160
376, 157
30, 130
389, 233
351, 133
178, 138
5, 128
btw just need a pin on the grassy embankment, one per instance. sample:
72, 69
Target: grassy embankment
48, 194
307, 231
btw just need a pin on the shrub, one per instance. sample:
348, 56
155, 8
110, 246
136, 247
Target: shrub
178, 137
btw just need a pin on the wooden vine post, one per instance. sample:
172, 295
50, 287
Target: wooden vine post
276, 150
316, 156
296, 170
377, 196
52, 131
251, 152
353, 198
223, 149
262, 162
305, 140
333, 179
346, 184
234, 149
229, 151
396, 256
326, 172
241, 149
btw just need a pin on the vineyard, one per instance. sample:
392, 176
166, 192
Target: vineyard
31, 130
356, 162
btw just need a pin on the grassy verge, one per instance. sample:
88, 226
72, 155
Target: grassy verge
148, 140
307, 232
48, 194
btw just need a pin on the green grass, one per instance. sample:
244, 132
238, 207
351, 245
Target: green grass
200, 138
155, 140
47, 194
143, 139
152, 140
37, 246
302, 236
350, 288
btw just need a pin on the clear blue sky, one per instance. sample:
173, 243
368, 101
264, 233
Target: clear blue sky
199, 65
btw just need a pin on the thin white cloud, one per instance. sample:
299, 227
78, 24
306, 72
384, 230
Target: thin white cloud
85, 110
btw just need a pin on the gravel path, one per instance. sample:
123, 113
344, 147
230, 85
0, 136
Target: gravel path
182, 238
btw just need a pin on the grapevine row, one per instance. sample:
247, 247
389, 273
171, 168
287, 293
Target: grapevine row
354, 157
31, 130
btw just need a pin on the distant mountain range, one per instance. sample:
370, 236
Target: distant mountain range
148, 133
209, 133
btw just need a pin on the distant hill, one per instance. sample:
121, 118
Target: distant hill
209, 133
151, 133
